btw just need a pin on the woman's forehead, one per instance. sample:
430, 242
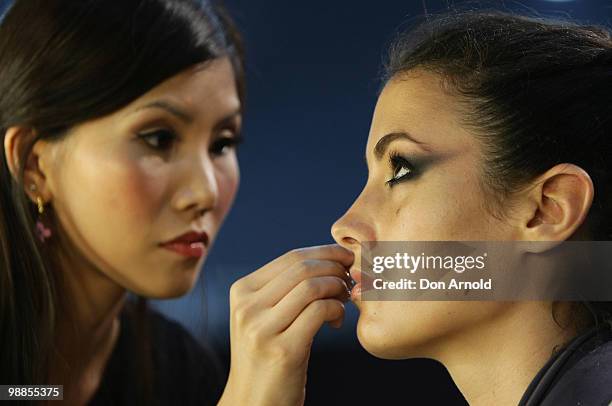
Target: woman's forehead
416, 104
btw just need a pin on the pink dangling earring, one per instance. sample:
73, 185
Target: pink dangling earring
42, 232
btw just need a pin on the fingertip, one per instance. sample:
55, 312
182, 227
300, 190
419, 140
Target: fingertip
348, 256
337, 253
336, 323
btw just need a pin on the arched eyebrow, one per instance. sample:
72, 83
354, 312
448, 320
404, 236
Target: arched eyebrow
170, 108
383, 143
227, 120
184, 115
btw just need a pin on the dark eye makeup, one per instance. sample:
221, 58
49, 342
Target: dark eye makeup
401, 169
225, 143
163, 140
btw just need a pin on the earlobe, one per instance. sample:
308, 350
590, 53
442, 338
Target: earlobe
562, 197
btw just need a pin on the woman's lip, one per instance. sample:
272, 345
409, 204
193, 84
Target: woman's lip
360, 277
356, 292
190, 237
356, 288
355, 275
191, 250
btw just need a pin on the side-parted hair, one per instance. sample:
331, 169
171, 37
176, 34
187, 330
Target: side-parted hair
64, 62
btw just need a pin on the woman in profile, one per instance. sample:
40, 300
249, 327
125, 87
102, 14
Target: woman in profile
120, 121
492, 127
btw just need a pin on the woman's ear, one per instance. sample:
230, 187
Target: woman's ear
15, 140
559, 202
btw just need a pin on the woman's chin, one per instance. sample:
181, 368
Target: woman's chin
170, 294
375, 338
386, 339
167, 289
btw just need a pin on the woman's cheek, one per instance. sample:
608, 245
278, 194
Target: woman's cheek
136, 187
415, 218
437, 214
228, 180
103, 200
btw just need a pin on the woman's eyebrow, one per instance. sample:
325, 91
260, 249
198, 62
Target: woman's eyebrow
383, 143
170, 108
185, 116
229, 119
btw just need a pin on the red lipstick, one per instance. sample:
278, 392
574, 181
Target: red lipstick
356, 289
191, 244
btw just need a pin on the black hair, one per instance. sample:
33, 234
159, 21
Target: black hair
64, 62
535, 91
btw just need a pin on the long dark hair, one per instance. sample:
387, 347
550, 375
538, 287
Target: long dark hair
536, 91
63, 62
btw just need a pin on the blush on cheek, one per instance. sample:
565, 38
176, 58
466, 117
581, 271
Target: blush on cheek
227, 180
137, 188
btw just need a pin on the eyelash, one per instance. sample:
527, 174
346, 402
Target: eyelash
221, 143
217, 148
397, 162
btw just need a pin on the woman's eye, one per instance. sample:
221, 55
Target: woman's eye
223, 145
159, 139
402, 170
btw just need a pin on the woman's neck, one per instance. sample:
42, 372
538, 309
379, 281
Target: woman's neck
495, 364
87, 331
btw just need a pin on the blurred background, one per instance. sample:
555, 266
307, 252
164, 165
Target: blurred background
313, 75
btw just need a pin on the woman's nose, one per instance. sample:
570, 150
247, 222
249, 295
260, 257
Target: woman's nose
351, 229
342, 234
199, 191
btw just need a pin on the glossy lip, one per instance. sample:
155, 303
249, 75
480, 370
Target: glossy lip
355, 292
190, 244
190, 237
355, 275
356, 288
359, 276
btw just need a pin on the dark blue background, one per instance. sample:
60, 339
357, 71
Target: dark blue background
313, 70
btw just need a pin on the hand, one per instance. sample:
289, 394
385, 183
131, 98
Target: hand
275, 313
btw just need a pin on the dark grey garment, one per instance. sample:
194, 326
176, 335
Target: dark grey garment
183, 372
580, 374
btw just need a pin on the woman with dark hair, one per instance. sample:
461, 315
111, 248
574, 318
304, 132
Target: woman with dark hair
119, 122
492, 126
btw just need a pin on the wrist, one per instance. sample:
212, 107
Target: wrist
261, 389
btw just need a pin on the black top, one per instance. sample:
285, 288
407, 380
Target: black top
580, 374
183, 372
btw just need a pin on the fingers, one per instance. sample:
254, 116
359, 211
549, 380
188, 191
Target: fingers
299, 274
312, 318
310, 290
277, 310
262, 276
